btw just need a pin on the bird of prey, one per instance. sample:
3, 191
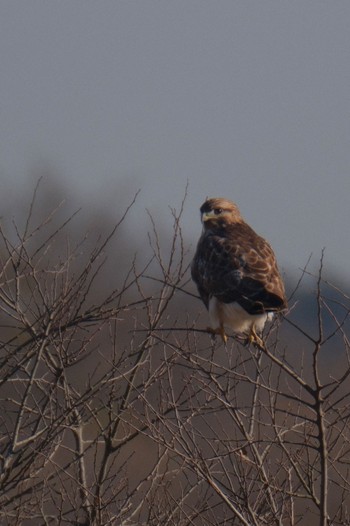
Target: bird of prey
236, 273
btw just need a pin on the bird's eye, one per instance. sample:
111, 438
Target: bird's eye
217, 211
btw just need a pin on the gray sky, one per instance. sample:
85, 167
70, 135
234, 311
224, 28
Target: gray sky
244, 99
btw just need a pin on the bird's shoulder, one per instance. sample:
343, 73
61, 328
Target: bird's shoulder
236, 244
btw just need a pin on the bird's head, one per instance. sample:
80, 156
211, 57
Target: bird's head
219, 212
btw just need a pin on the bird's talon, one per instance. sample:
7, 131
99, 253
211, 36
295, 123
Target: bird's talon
254, 339
219, 331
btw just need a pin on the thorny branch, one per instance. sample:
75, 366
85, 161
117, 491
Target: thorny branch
123, 410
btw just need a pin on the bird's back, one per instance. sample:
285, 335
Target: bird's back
234, 264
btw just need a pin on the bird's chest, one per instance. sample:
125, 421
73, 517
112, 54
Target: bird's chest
220, 259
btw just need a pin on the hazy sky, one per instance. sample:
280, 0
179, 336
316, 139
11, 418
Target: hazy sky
248, 99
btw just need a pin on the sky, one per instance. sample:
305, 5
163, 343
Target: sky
244, 99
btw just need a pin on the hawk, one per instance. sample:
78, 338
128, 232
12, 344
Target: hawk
236, 272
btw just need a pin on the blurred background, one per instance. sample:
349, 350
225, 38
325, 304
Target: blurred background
247, 100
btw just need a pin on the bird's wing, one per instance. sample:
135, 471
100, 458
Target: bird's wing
238, 266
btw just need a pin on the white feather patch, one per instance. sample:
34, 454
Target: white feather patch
233, 316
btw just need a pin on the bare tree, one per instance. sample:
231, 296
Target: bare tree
119, 409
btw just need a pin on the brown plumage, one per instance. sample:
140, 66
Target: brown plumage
235, 271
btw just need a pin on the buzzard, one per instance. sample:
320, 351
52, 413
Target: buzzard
236, 272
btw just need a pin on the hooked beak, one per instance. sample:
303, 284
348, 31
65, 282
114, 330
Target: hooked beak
206, 216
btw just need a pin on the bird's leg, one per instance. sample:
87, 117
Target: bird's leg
220, 331
255, 339
223, 334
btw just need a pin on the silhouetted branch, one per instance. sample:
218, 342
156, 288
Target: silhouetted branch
120, 408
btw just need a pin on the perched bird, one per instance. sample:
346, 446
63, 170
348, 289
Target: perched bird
236, 273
